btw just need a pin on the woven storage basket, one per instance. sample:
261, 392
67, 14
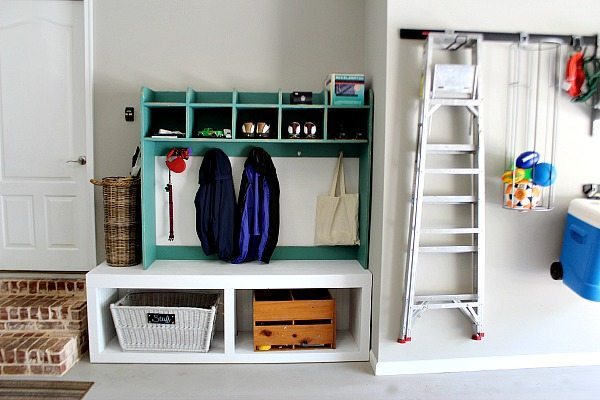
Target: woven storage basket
165, 321
121, 220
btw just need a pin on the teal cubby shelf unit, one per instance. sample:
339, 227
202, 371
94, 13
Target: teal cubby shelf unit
347, 129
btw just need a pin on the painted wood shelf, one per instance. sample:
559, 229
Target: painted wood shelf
105, 285
191, 111
342, 269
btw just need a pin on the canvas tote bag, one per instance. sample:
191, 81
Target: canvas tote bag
337, 213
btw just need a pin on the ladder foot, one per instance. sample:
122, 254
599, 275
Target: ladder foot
406, 339
478, 336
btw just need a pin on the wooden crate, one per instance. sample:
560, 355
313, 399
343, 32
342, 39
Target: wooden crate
293, 319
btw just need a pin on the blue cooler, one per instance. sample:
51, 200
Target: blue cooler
580, 256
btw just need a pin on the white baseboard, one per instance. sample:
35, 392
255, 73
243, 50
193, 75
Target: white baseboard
373, 361
483, 363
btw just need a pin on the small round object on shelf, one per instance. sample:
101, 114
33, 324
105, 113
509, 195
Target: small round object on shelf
544, 174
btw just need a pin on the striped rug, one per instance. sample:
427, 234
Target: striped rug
24, 389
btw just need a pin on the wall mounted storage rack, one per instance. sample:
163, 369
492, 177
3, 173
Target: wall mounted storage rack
339, 128
572, 40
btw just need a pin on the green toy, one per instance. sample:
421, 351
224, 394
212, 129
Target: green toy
211, 133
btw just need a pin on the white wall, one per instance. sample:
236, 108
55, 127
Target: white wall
260, 45
301, 180
376, 57
526, 313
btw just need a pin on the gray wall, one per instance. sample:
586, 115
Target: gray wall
261, 45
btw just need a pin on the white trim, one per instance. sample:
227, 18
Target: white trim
373, 361
484, 363
88, 8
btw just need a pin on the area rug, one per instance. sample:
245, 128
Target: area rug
24, 389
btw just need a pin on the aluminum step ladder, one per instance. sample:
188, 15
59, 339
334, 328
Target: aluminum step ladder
448, 86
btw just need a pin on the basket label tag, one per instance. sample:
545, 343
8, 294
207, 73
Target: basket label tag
155, 318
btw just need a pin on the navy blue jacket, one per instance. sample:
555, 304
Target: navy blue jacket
215, 206
258, 208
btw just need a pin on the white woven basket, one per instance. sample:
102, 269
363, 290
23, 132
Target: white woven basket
165, 321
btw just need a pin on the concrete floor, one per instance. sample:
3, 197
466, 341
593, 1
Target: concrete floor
326, 381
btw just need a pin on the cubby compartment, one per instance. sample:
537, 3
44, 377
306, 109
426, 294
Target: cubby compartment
256, 98
210, 98
254, 116
318, 99
170, 321
211, 122
348, 123
306, 118
172, 118
294, 319
325, 321
163, 97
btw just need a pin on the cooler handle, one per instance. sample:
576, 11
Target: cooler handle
577, 234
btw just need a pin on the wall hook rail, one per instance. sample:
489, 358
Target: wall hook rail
576, 41
421, 34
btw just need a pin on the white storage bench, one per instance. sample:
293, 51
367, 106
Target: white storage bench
233, 343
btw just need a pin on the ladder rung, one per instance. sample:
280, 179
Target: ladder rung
431, 306
450, 148
449, 199
448, 249
446, 297
453, 171
455, 102
450, 231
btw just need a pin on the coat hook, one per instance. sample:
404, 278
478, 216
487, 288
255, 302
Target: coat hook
576, 43
523, 37
457, 43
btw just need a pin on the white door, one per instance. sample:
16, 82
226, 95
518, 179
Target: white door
46, 200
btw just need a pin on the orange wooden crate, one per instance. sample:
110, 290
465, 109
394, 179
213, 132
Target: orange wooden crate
293, 319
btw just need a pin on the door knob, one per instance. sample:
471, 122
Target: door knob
81, 160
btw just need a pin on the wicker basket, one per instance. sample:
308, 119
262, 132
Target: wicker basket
166, 321
121, 220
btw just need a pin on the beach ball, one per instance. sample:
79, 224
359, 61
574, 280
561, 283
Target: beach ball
544, 174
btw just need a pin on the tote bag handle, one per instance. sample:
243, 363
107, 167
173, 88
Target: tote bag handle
339, 181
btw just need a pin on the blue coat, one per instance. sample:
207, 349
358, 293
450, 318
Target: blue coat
258, 209
215, 206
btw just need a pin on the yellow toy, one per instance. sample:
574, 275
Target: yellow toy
519, 175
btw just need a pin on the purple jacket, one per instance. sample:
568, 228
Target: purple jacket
258, 209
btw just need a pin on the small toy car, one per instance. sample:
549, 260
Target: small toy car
212, 133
